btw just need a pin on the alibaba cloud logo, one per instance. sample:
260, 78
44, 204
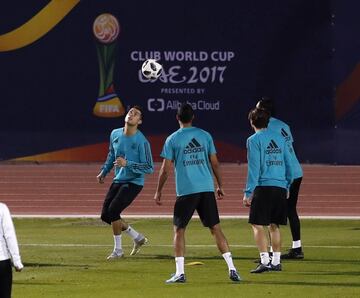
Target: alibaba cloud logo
156, 104
37, 26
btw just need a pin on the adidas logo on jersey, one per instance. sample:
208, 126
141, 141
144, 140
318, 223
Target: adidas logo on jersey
272, 148
193, 147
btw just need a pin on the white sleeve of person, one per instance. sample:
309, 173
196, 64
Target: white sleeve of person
9, 235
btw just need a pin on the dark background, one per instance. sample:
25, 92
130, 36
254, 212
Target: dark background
296, 52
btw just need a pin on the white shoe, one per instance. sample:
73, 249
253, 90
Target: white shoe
116, 254
176, 279
137, 246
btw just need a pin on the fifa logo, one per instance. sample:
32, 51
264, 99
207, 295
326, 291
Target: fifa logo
106, 29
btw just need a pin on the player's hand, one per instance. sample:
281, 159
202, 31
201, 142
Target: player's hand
100, 178
220, 193
120, 162
247, 201
157, 198
19, 267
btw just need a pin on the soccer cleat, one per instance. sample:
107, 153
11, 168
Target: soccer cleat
116, 254
261, 268
176, 279
137, 246
293, 254
275, 267
234, 276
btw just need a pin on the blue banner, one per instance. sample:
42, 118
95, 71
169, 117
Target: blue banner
70, 69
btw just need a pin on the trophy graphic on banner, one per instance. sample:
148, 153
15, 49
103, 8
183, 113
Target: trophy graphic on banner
106, 29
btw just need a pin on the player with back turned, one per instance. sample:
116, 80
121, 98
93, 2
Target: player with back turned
193, 153
268, 180
283, 129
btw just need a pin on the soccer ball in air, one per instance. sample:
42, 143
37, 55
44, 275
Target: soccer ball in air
151, 69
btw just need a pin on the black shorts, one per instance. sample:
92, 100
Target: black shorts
119, 196
268, 206
205, 205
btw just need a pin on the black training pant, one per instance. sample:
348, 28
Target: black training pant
118, 198
5, 278
291, 209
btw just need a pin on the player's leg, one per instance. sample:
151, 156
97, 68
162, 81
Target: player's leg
5, 278
113, 190
138, 238
117, 251
209, 215
106, 217
183, 210
277, 198
179, 250
259, 217
123, 198
276, 244
261, 242
296, 251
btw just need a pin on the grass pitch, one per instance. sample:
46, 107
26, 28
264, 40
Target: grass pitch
67, 258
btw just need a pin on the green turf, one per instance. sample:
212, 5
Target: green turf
67, 258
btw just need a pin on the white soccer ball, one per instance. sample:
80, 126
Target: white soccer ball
151, 69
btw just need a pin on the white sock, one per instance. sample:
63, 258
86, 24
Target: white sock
117, 242
179, 261
132, 233
264, 256
229, 261
296, 244
276, 258
271, 249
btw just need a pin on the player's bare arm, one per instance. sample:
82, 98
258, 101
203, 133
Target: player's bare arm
163, 176
216, 170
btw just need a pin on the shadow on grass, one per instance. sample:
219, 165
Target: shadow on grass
317, 273
194, 258
38, 265
31, 283
171, 257
327, 261
305, 283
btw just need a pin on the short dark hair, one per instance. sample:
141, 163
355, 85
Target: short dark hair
259, 118
185, 113
139, 108
265, 103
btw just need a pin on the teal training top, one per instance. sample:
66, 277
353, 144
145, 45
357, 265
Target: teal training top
269, 161
189, 148
284, 129
136, 150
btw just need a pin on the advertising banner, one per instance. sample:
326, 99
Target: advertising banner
70, 69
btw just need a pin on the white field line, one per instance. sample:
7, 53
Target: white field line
170, 245
154, 216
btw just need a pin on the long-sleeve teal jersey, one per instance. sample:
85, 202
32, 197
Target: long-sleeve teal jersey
269, 161
136, 150
284, 129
